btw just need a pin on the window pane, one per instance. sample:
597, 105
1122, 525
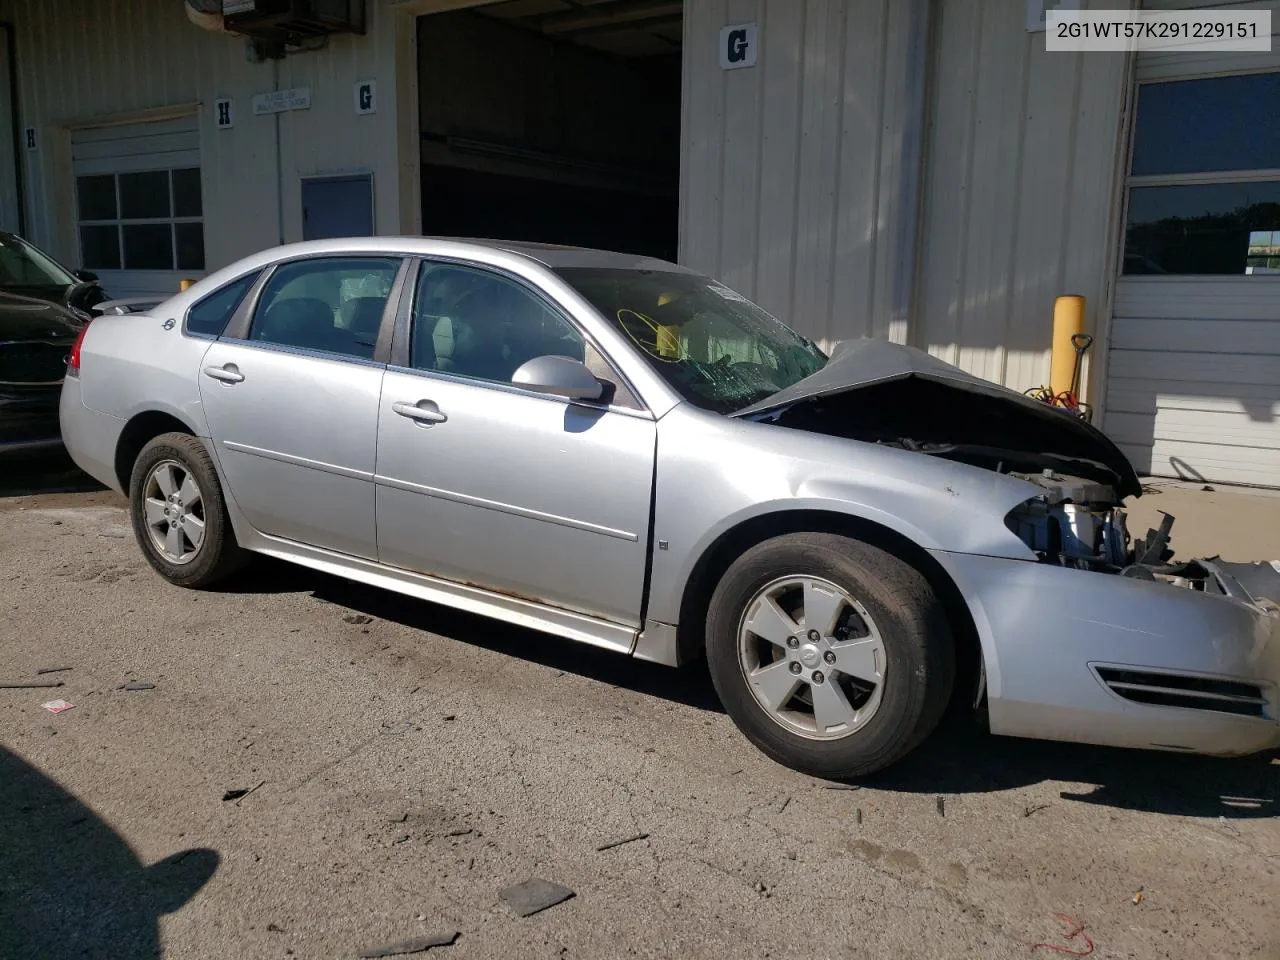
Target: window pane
148, 247
1201, 228
96, 197
331, 304
190, 237
1202, 126
477, 324
144, 195
210, 315
100, 248
186, 193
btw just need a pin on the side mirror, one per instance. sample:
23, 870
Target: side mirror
560, 377
85, 276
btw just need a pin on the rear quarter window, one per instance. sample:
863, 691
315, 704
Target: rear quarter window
208, 317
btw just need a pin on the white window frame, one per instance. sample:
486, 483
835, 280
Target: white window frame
120, 223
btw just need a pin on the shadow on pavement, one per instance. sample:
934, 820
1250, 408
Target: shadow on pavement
52, 473
691, 686
70, 886
961, 757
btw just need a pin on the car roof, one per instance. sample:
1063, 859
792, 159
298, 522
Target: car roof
553, 256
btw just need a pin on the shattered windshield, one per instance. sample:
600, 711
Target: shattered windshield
717, 349
23, 266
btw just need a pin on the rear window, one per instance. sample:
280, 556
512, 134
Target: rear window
208, 317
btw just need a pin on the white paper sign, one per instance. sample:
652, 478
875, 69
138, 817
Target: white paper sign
738, 46
366, 97
1038, 9
279, 101
223, 114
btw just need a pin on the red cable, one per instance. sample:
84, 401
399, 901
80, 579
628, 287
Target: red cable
1074, 929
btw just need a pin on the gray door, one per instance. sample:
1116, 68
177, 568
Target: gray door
292, 402
521, 493
337, 207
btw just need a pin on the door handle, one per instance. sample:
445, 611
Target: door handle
227, 373
424, 411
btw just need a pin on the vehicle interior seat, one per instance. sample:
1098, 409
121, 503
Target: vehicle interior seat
300, 322
363, 317
441, 341
477, 345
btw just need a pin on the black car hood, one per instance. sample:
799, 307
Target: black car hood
1019, 421
29, 318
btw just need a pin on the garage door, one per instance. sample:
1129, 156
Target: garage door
138, 204
1194, 376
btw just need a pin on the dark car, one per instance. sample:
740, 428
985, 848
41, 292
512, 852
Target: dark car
43, 306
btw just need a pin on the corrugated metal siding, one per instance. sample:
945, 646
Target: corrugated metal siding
793, 184
1020, 203
9, 152
82, 60
136, 146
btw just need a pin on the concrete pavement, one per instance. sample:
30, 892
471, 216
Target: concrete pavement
414, 765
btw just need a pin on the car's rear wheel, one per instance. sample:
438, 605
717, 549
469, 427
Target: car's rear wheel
832, 655
179, 514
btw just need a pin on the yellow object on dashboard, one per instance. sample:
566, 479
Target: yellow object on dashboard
668, 341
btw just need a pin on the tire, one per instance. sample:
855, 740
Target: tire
217, 555
891, 630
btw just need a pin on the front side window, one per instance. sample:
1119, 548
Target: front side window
332, 304
474, 323
717, 349
1203, 194
209, 316
145, 220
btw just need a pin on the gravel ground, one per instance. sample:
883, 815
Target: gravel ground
410, 763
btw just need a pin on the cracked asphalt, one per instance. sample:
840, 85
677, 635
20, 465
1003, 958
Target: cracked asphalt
410, 768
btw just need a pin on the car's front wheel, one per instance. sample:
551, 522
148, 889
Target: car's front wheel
832, 655
179, 515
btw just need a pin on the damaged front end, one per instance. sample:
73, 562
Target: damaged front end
1078, 524
898, 396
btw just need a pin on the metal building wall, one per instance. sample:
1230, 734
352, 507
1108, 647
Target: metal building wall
798, 182
9, 151
1021, 202
93, 61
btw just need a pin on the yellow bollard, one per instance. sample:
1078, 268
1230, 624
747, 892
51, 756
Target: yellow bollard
184, 285
1068, 321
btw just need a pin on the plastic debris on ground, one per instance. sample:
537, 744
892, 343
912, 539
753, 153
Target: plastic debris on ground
534, 896
414, 945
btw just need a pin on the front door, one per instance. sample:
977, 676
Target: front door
292, 402
484, 483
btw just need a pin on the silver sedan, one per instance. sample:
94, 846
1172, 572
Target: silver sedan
622, 452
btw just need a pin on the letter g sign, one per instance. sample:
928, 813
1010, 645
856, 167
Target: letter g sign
739, 46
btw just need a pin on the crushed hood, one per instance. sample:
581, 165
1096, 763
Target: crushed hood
1029, 425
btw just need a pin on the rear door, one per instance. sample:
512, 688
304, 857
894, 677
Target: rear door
291, 396
486, 483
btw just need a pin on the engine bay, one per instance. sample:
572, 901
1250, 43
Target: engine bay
1078, 521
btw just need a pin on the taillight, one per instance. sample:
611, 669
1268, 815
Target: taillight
73, 358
